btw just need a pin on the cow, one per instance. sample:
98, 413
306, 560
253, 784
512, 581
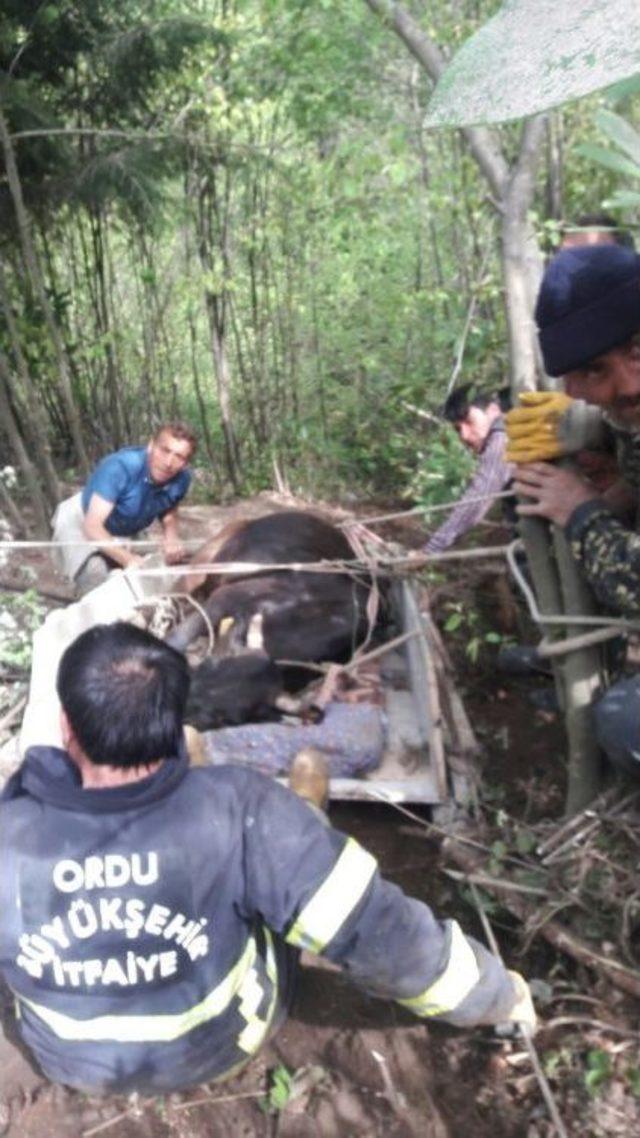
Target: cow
286, 617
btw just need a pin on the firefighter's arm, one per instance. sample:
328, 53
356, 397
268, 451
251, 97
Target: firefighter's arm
322, 891
398, 948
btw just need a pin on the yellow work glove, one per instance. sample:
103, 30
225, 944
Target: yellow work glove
523, 1011
533, 428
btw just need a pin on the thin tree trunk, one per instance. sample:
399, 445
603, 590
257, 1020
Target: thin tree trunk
555, 192
38, 426
481, 141
213, 458
16, 443
209, 208
91, 366
512, 191
521, 267
37, 283
221, 370
246, 373
105, 330
8, 506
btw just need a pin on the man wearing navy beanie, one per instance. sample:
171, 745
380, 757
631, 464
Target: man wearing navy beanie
588, 318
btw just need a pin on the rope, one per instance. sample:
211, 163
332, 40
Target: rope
386, 565
426, 509
116, 541
195, 543
383, 566
558, 618
173, 598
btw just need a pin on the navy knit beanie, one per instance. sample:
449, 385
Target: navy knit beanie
589, 302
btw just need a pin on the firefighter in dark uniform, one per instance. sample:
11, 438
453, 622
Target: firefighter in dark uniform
588, 317
152, 914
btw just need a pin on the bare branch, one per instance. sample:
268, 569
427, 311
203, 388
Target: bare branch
482, 143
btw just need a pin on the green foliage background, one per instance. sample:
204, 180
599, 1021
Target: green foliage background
261, 166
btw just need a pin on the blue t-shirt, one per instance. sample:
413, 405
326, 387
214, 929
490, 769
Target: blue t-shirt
123, 478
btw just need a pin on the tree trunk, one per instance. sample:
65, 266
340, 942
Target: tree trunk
482, 143
38, 426
41, 528
555, 189
512, 192
582, 675
37, 283
521, 261
104, 328
9, 508
221, 370
213, 251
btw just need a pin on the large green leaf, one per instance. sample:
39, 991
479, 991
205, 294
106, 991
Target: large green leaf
536, 54
609, 158
624, 90
621, 133
623, 199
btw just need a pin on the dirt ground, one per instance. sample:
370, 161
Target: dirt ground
362, 1067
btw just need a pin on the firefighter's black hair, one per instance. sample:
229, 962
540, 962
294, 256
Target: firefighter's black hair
124, 693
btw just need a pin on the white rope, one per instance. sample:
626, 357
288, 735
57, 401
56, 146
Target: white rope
383, 566
194, 543
247, 568
558, 618
427, 509
173, 598
121, 542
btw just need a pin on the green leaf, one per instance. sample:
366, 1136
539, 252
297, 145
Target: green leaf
48, 14
608, 158
536, 54
599, 1070
558, 1062
621, 133
473, 649
281, 1081
525, 841
623, 199
625, 89
632, 1075
453, 622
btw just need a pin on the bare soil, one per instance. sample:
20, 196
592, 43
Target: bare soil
363, 1067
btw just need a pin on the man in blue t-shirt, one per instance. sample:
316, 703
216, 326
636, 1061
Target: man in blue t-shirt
125, 493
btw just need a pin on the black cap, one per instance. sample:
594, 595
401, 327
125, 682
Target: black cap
589, 302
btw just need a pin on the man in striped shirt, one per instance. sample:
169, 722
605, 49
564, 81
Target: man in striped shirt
479, 424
